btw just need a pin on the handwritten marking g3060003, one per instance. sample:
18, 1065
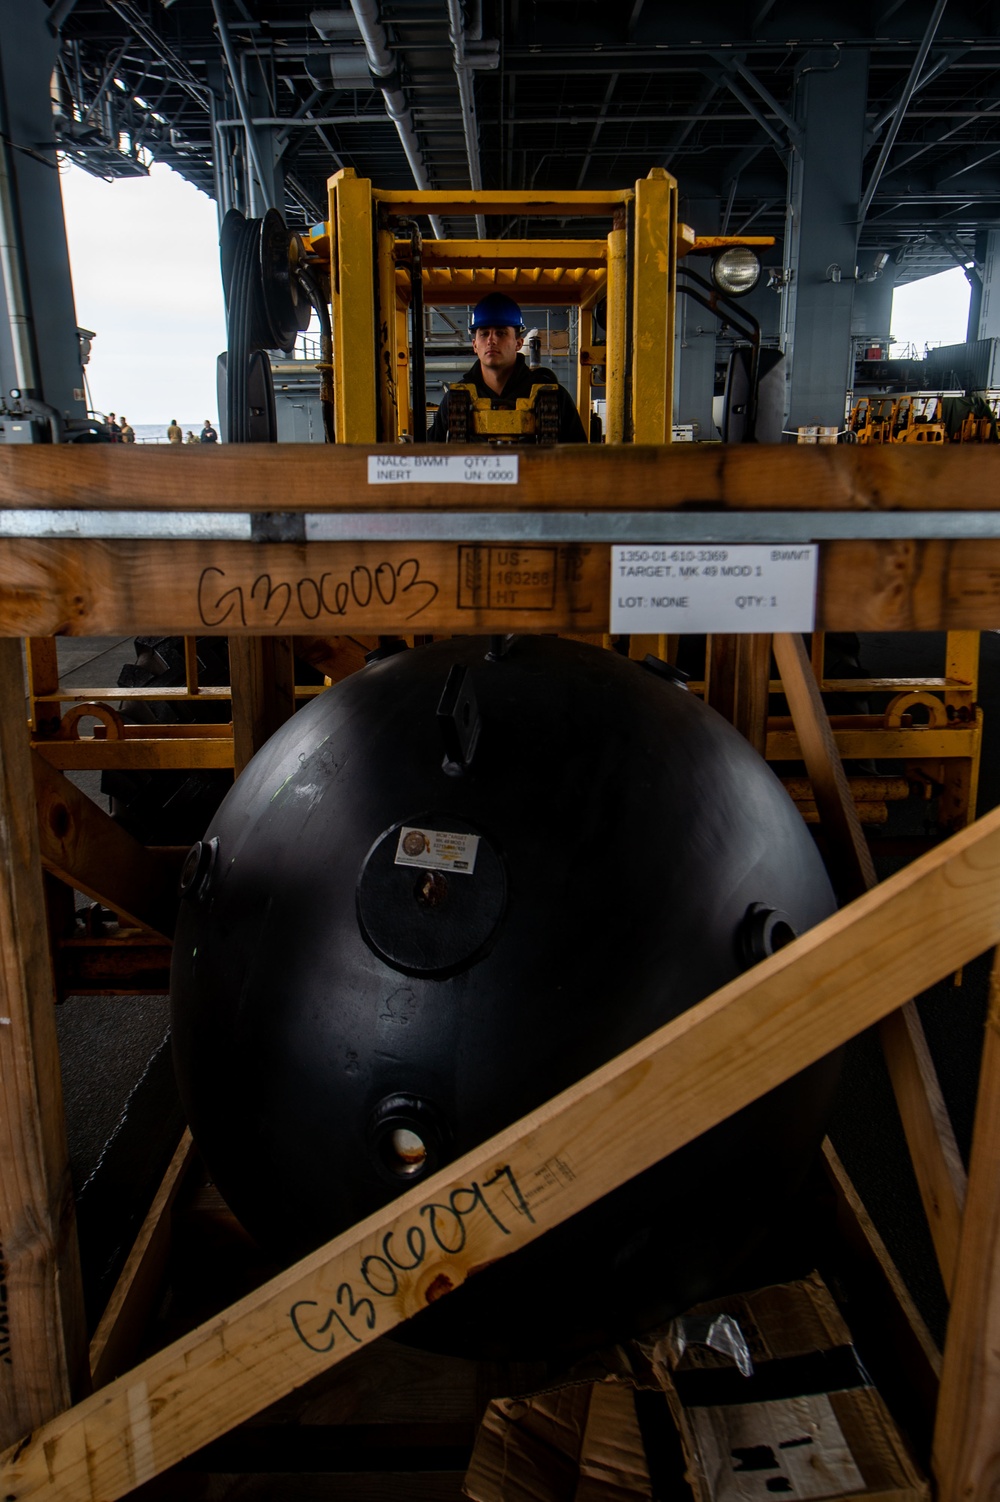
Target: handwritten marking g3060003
268, 601
380, 1271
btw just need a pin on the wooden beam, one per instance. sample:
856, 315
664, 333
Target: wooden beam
853, 871
84, 846
905, 1342
262, 674
966, 1457
614, 477
917, 743
764, 1026
937, 1162
119, 1334
81, 588
93, 753
738, 677
43, 1346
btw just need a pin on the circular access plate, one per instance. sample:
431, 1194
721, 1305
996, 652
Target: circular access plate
418, 908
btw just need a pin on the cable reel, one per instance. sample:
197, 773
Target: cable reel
269, 296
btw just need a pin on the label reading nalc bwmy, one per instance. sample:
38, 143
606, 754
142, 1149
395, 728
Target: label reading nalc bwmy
437, 849
442, 469
743, 588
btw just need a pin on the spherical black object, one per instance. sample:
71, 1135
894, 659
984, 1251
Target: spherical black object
421, 913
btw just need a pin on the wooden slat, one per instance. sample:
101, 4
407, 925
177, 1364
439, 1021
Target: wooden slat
916, 744
911, 1344
80, 588
42, 657
739, 674
334, 477
966, 1458
43, 1346
154, 754
757, 1031
937, 1161
853, 870
84, 846
262, 671
119, 1334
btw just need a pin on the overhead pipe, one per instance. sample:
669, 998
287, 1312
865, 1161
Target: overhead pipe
383, 65
467, 99
178, 70
14, 271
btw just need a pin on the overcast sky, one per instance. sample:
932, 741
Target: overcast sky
934, 310
145, 259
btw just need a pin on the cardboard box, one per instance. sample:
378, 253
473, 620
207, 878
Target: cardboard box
806, 1423
579, 1443
768, 1396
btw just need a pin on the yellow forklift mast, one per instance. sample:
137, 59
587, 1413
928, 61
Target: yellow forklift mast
628, 274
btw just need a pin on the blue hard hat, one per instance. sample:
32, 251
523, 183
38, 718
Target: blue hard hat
496, 310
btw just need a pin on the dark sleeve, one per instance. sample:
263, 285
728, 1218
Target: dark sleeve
439, 427
571, 428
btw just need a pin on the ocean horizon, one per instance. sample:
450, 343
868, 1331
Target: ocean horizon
156, 432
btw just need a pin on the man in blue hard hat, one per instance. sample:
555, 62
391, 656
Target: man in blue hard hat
501, 372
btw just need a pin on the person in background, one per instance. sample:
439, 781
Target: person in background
191, 437
174, 433
114, 429
208, 433
127, 433
502, 373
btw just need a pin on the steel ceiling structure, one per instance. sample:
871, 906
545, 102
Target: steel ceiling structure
556, 93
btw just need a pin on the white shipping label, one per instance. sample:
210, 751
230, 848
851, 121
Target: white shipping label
437, 850
708, 587
443, 469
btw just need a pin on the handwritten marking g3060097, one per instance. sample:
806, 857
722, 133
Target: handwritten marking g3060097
267, 601
380, 1271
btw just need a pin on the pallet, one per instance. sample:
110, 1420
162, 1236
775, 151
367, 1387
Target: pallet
859, 967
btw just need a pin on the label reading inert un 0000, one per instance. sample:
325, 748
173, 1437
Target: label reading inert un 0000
437, 849
442, 469
694, 588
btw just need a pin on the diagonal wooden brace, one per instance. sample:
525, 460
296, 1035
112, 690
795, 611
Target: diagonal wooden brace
83, 845
745, 1039
937, 1161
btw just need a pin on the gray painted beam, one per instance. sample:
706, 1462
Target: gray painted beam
821, 247
39, 349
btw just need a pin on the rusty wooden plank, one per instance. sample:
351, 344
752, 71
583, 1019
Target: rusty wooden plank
43, 1345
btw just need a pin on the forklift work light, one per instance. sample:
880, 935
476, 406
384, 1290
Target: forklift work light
736, 270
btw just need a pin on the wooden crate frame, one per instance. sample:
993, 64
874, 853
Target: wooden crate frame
861, 966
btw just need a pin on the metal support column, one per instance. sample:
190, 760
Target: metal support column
989, 305
267, 150
39, 348
824, 189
